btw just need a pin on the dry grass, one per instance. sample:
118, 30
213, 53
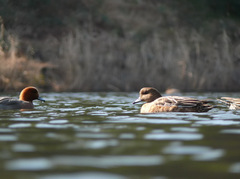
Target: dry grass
18, 72
125, 45
94, 62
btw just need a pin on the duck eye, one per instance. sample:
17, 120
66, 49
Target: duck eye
145, 92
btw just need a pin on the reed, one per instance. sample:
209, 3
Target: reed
17, 72
95, 62
122, 46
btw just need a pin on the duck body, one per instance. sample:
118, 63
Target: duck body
25, 100
11, 103
155, 103
233, 103
175, 104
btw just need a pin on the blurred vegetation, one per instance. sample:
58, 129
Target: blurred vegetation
212, 8
52, 13
88, 42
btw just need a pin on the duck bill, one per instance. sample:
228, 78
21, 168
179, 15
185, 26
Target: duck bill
41, 99
137, 101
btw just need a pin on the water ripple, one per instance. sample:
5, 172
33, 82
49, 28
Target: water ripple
231, 131
199, 153
34, 164
84, 175
218, 122
103, 135
173, 136
235, 168
23, 148
108, 161
8, 138
20, 125
56, 126
92, 135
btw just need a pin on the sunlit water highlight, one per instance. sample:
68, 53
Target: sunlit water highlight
103, 135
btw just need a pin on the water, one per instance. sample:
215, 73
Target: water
102, 135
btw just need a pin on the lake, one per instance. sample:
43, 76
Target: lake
103, 135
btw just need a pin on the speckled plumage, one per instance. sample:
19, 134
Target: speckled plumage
156, 103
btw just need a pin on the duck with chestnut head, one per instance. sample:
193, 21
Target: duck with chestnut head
25, 100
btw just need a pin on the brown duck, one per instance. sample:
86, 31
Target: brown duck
156, 103
233, 103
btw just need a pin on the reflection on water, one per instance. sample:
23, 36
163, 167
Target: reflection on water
197, 152
173, 136
84, 175
102, 135
33, 164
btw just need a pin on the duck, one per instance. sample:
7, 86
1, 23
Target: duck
155, 103
25, 100
233, 103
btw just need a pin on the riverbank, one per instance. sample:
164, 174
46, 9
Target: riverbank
119, 46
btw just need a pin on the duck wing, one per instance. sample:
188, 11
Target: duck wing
233, 100
177, 101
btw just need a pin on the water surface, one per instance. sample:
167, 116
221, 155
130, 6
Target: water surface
103, 135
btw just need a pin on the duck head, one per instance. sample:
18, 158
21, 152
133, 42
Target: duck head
148, 94
29, 94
